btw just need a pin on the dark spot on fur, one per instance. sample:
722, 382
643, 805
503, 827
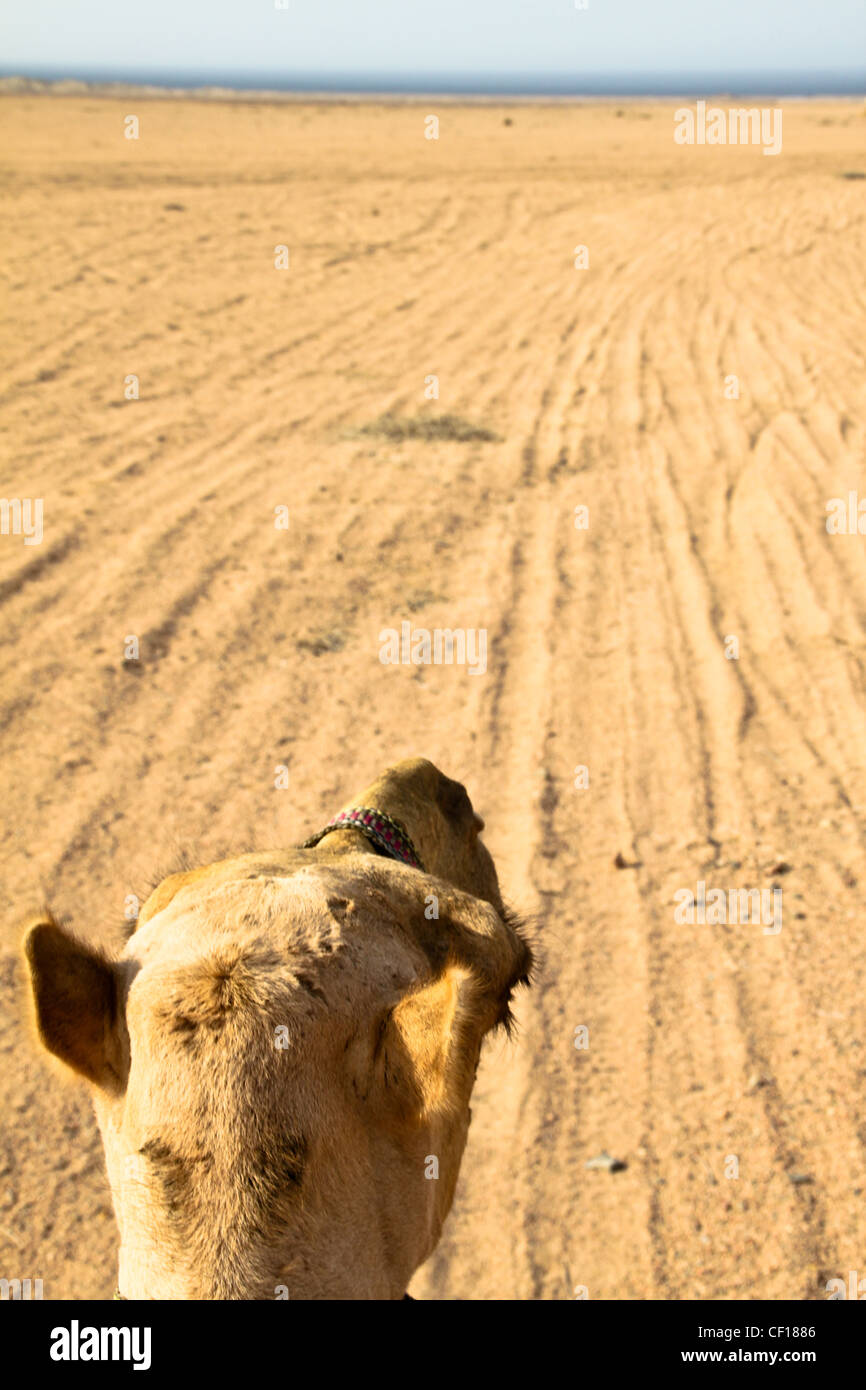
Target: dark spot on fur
380, 1037
174, 1173
272, 1184
269, 1177
310, 986
340, 908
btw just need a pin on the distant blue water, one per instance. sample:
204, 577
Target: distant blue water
850, 83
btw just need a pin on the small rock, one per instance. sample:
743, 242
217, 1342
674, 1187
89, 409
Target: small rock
622, 863
782, 868
606, 1162
800, 1179
758, 1079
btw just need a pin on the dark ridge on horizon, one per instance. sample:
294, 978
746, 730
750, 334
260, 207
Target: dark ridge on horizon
782, 83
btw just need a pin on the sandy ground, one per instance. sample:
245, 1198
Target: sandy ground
606, 388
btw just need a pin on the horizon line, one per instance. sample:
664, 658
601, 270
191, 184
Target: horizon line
787, 82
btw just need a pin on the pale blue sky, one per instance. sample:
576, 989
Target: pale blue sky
529, 39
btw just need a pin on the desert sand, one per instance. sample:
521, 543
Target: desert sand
609, 647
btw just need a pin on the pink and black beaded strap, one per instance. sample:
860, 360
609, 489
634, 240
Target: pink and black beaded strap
386, 833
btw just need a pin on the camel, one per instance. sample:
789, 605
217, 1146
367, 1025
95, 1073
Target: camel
281, 1058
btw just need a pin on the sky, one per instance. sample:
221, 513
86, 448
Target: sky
534, 43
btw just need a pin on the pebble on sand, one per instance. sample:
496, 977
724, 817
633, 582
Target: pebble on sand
605, 1161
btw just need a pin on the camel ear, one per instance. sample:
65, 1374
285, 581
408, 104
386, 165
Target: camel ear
477, 956
75, 996
468, 935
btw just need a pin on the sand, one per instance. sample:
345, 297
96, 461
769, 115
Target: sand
608, 647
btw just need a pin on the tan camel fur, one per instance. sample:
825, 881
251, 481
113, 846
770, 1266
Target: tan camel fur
281, 1059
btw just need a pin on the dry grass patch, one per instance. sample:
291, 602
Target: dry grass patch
432, 428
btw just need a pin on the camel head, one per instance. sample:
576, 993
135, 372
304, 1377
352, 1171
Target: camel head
281, 1059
